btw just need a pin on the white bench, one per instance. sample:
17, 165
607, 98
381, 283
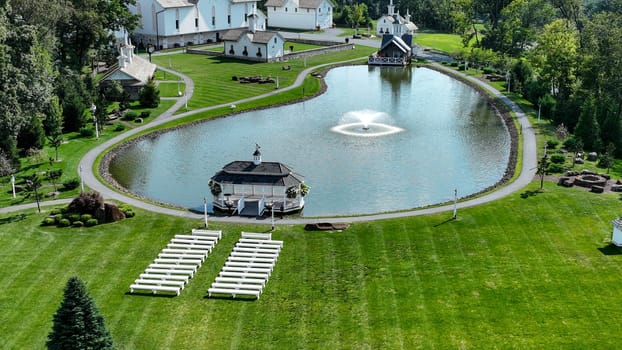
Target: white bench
190, 247
181, 256
261, 242
237, 286
190, 268
254, 255
249, 264
179, 284
196, 262
208, 233
251, 259
240, 280
203, 252
197, 238
255, 250
264, 276
246, 269
166, 272
233, 292
193, 242
149, 276
154, 289
262, 246
253, 235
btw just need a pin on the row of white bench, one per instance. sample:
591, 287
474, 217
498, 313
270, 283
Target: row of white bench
248, 267
177, 263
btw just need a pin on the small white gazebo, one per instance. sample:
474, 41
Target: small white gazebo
616, 235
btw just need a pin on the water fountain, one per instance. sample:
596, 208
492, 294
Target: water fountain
365, 123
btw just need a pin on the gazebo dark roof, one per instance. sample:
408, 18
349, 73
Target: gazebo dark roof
264, 173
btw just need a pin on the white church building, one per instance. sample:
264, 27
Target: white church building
393, 23
300, 14
175, 23
253, 44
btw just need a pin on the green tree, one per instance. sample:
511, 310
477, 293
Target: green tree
33, 184
355, 15
54, 125
607, 158
587, 129
149, 96
77, 323
32, 135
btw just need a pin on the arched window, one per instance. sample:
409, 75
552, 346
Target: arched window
231, 51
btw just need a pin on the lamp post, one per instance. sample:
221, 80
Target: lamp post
13, 184
93, 110
158, 29
150, 49
81, 180
205, 210
270, 206
455, 204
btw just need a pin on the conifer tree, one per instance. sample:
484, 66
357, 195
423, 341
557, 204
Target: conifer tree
77, 323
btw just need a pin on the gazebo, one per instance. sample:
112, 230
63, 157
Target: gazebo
249, 187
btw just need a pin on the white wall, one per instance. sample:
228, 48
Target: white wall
291, 16
210, 16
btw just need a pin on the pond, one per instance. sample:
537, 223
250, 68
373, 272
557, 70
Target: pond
379, 139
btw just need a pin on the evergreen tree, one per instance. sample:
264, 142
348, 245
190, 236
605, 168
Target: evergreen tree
149, 96
32, 135
587, 129
77, 322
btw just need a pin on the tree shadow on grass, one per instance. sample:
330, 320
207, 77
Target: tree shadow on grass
13, 218
529, 193
444, 222
611, 249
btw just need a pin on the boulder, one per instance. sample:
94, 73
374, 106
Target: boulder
592, 156
597, 189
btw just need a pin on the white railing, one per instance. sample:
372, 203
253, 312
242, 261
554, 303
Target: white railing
394, 61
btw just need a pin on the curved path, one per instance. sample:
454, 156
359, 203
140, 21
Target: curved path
527, 171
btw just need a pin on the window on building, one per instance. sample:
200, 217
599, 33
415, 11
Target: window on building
259, 52
196, 22
177, 24
228, 19
295, 9
275, 40
286, 9
274, 8
245, 52
319, 10
245, 17
231, 51
213, 20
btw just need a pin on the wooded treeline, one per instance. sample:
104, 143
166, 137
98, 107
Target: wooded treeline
565, 56
46, 47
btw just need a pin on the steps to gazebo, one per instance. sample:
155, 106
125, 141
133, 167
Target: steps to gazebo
177, 263
248, 267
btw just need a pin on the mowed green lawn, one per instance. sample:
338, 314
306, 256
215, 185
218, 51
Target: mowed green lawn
531, 272
448, 43
212, 76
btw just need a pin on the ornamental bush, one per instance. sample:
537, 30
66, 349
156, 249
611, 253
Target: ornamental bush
49, 221
64, 223
87, 132
555, 168
85, 217
71, 183
558, 158
91, 222
78, 223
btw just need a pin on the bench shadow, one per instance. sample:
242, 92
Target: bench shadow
611, 249
222, 297
151, 295
13, 218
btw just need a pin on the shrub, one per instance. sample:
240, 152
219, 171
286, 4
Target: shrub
130, 116
91, 222
78, 223
119, 127
551, 144
49, 221
71, 183
86, 203
127, 210
145, 114
74, 217
488, 70
55, 211
555, 168
58, 218
454, 64
87, 132
558, 158
64, 223
85, 217
149, 96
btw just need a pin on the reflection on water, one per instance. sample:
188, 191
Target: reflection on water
450, 139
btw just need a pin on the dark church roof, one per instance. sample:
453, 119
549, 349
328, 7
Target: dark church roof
265, 173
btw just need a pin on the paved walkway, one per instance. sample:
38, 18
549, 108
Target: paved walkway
527, 172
